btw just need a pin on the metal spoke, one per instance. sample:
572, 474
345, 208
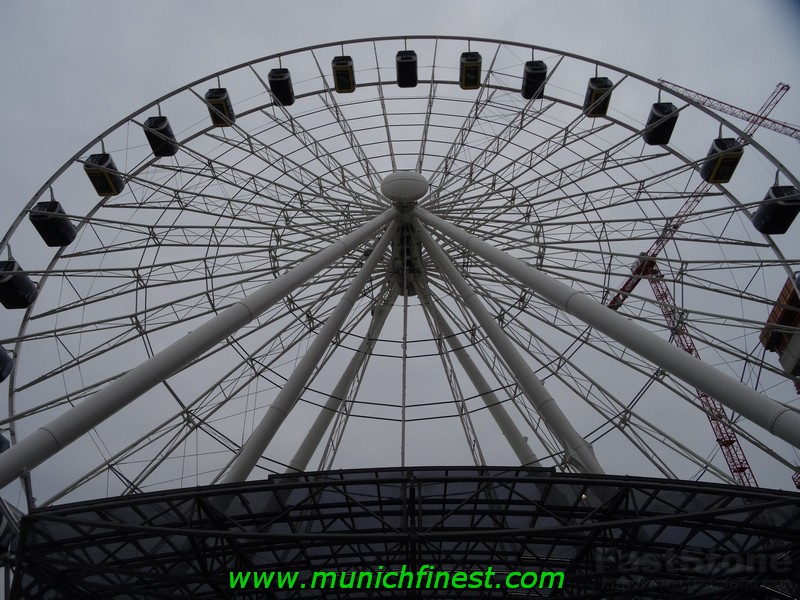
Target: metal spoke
573, 199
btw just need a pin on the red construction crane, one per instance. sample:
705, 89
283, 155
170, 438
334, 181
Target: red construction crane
646, 267
760, 118
725, 435
755, 121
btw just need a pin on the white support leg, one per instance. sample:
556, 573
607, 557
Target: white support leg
49, 439
780, 420
579, 451
336, 400
508, 428
254, 447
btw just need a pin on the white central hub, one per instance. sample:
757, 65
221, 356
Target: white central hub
404, 187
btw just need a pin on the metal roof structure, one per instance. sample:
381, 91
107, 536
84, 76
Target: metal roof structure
611, 536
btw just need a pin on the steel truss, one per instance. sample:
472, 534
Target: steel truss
612, 537
241, 248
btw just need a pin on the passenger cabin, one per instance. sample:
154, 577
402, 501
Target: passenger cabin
344, 77
280, 84
785, 315
103, 174
6, 363
16, 288
160, 137
790, 357
721, 160
52, 223
406, 69
220, 108
598, 97
470, 73
778, 211
660, 124
533, 78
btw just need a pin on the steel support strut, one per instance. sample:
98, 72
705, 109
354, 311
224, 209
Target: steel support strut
578, 450
780, 420
66, 428
338, 396
254, 447
508, 428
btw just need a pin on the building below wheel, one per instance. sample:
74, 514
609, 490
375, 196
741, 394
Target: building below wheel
512, 532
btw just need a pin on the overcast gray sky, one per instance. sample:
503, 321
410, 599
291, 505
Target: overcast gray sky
72, 69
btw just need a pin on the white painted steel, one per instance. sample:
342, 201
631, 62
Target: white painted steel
404, 187
579, 451
577, 198
780, 420
509, 429
63, 430
247, 458
336, 400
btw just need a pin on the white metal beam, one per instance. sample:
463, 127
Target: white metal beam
508, 428
66, 428
779, 419
579, 451
337, 397
262, 435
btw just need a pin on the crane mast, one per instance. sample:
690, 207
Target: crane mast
646, 267
723, 432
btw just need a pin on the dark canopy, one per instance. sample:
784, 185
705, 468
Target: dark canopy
611, 536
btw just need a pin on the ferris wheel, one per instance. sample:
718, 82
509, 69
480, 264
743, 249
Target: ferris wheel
401, 251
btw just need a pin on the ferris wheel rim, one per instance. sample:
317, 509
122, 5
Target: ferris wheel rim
379, 85
655, 83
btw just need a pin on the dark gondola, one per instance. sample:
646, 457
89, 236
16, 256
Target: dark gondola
280, 84
344, 77
52, 223
470, 72
660, 123
598, 97
160, 137
220, 108
779, 209
406, 61
6, 363
533, 77
103, 174
721, 160
17, 290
